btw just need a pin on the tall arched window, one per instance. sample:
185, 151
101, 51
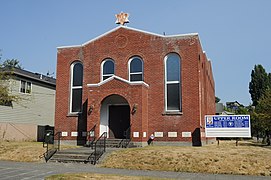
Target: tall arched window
76, 87
108, 69
172, 82
136, 69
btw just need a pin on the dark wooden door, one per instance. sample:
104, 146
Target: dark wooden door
119, 120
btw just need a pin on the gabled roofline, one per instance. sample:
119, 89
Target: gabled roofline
118, 78
130, 28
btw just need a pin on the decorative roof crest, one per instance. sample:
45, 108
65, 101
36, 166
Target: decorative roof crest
122, 18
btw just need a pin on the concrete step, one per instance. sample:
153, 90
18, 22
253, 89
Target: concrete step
114, 143
80, 155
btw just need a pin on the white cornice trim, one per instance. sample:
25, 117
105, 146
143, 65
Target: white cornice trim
118, 78
72, 46
130, 28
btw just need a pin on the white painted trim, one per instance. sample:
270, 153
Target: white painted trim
118, 78
167, 36
130, 28
102, 35
129, 67
71, 46
73, 87
20, 87
171, 82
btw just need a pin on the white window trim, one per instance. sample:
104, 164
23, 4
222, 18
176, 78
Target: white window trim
102, 69
129, 68
25, 87
73, 87
171, 82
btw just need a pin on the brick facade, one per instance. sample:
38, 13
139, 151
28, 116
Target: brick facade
121, 44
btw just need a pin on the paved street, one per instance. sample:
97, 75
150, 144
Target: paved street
17, 170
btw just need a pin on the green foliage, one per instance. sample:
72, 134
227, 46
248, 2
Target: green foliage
260, 91
11, 63
261, 118
6, 98
258, 84
264, 104
242, 110
217, 99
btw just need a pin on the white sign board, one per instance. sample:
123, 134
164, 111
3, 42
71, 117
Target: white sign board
227, 126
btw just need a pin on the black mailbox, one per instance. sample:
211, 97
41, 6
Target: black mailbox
49, 137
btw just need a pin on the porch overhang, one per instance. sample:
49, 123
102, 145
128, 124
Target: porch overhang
120, 79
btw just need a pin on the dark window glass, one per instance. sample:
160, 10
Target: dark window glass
108, 67
173, 67
136, 65
173, 96
136, 77
77, 74
76, 87
76, 100
23, 83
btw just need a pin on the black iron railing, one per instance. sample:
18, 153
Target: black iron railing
99, 148
52, 144
127, 134
91, 137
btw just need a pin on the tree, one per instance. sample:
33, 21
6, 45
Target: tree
11, 63
263, 111
6, 98
259, 83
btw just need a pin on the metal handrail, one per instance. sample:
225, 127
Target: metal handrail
99, 147
91, 134
127, 134
50, 151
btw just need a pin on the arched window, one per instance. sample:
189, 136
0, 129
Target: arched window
136, 69
172, 82
108, 69
76, 87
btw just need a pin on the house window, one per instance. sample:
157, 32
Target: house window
108, 69
76, 87
135, 69
172, 82
26, 87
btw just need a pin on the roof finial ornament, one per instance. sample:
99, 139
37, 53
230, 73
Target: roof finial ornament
122, 18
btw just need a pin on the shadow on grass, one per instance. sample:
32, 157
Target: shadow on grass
255, 144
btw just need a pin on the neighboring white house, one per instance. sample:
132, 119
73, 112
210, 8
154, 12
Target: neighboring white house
36, 107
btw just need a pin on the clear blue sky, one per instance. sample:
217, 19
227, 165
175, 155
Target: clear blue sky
234, 33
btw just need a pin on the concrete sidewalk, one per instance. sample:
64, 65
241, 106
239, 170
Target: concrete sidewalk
18, 170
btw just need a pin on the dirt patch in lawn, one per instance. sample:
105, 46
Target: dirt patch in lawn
247, 158
23, 151
98, 177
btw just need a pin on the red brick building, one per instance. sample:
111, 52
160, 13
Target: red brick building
129, 79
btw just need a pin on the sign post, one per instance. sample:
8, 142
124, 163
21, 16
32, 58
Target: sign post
227, 126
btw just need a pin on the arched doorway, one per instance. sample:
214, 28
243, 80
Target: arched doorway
114, 116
